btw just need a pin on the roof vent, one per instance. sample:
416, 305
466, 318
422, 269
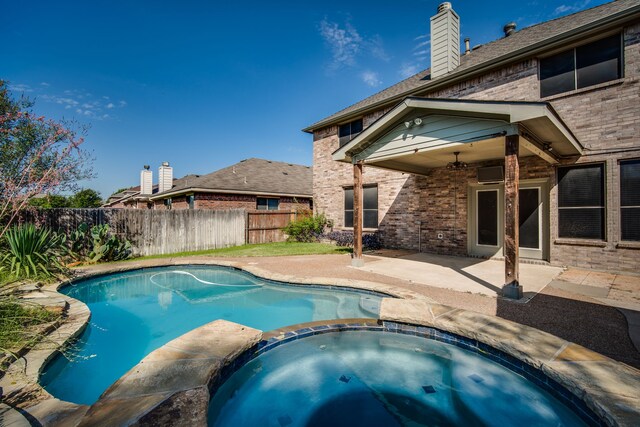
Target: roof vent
509, 29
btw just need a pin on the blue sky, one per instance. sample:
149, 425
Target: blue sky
204, 85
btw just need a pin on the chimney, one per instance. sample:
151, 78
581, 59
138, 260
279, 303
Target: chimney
445, 41
509, 29
467, 47
165, 177
146, 181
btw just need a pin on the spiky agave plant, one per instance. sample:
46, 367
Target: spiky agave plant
31, 252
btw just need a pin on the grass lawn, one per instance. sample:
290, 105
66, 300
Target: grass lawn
264, 249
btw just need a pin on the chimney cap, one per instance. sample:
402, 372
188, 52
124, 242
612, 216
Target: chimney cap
509, 29
147, 167
165, 163
444, 6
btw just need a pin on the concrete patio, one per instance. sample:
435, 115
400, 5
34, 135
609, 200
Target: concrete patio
463, 274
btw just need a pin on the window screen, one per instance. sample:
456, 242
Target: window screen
557, 74
584, 66
599, 62
630, 200
369, 203
348, 131
265, 204
581, 211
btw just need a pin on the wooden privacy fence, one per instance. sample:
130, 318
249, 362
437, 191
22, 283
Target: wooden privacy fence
153, 232
266, 226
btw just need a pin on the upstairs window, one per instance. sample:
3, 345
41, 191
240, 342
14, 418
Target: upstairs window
370, 207
265, 204
583, 66
630, 200
581, 211
348, 131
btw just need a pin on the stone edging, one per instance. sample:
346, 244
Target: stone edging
20, 386
606, 387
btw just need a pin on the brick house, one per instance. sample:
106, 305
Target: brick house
527, 146
252, 184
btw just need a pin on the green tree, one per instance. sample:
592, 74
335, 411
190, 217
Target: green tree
37, 156
50, 201
86, 198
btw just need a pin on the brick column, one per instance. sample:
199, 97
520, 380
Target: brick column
512, 287
357, 260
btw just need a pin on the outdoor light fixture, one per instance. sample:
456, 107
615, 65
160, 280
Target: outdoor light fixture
410, 123
457, 164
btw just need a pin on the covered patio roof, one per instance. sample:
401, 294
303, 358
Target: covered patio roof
422, 133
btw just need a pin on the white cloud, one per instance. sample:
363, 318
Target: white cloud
45, 84
408, 70
422, 44
84, 103
347, 45
571, 7
20, 88
422, 36
371, 78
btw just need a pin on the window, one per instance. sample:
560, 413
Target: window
581, 211
348, 131
167, 203
264, 204
630, 200
370, 207
191, 200
584, 66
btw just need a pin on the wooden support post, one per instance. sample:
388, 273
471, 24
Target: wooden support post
357, 260
512, 287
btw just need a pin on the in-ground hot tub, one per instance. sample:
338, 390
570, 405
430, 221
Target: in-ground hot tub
378, 378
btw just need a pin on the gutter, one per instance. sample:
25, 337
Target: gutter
621, 17
209, 190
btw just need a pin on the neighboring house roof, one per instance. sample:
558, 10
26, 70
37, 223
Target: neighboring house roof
519, 45
250, 176
133, 193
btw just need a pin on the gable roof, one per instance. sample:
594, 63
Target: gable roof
524, 43
250, 176
133, 193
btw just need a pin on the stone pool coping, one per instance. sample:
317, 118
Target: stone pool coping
606, 387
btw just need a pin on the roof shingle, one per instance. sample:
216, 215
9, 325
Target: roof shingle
488, 53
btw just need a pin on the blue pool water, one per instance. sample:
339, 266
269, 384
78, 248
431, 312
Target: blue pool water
364, 378
134, 313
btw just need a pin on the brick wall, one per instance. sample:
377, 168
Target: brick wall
605, 119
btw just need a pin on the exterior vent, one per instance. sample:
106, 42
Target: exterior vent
165, 177
445, 41
490, 174
146, 181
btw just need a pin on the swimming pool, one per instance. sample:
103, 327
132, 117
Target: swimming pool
365, 378
133, 313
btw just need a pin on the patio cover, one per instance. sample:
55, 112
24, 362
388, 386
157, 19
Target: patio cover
398, 141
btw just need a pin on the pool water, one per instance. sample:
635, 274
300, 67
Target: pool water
365, 378
136, 312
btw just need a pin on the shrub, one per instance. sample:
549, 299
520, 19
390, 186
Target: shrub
30, 251
307, 229
96, 244
370, 241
